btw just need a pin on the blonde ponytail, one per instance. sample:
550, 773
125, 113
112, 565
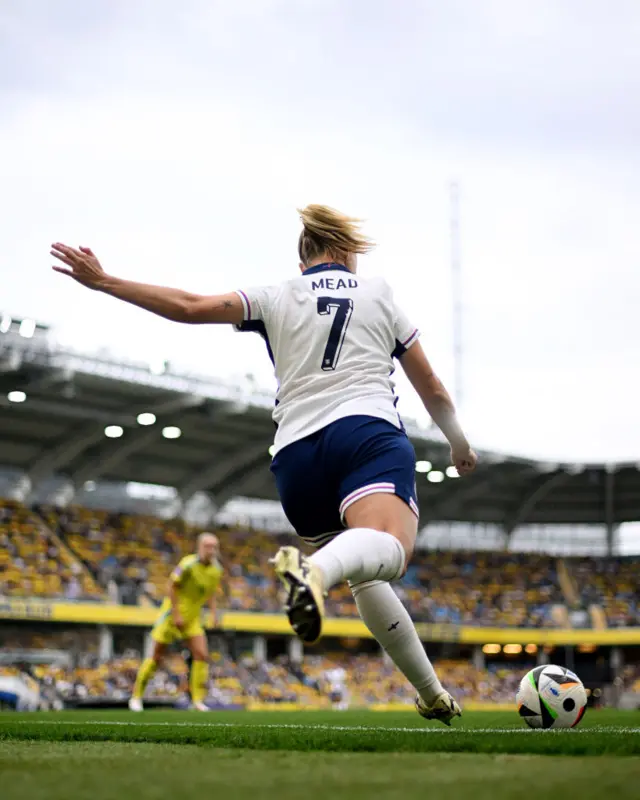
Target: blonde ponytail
326, 230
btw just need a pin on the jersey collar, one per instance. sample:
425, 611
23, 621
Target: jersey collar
324, 267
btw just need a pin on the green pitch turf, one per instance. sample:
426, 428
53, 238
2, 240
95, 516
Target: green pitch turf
601, 732
158, 755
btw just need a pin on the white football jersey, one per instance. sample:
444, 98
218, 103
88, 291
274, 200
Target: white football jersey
332, 336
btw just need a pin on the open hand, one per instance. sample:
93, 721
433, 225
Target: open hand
82, 265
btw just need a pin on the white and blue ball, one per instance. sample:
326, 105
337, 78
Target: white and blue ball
551, 697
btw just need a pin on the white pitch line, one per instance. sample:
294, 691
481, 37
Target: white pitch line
342, 728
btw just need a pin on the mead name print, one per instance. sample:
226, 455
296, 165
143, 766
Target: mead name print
334, 283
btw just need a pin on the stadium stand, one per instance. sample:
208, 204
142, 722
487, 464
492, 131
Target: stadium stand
630, 678
78, 554
609, 586
34, 562
69, 640
480, 588
136, 553
370, 680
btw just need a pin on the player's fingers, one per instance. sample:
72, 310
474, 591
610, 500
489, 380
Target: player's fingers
64, 259
88, 251
62, 248
68, 251
62, 270
60, 252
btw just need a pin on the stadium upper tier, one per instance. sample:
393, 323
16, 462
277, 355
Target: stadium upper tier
75, 552
74, 419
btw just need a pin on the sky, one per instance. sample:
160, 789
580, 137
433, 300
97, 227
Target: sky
177, 140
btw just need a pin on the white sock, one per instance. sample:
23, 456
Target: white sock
388, 620
360, 554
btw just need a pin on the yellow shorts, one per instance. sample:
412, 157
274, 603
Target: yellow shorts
165, 632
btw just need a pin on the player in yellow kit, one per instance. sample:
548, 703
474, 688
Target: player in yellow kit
193, 583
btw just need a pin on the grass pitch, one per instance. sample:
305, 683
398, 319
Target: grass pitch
158, 755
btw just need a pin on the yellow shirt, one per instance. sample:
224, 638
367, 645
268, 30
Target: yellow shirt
196, 583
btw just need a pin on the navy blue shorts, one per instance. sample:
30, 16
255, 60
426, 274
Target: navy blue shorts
320, 476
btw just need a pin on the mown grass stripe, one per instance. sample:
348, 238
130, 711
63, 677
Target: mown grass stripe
43, 770
615, 733
598, 729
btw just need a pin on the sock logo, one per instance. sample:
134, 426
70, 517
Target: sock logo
394, 626
380, 568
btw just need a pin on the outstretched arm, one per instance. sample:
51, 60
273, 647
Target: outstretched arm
438, 403
173, 304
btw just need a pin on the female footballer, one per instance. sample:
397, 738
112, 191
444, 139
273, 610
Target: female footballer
343, 464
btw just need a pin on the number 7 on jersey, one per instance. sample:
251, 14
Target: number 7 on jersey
344, 309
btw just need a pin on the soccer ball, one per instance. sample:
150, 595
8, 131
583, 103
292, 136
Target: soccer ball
551, 697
